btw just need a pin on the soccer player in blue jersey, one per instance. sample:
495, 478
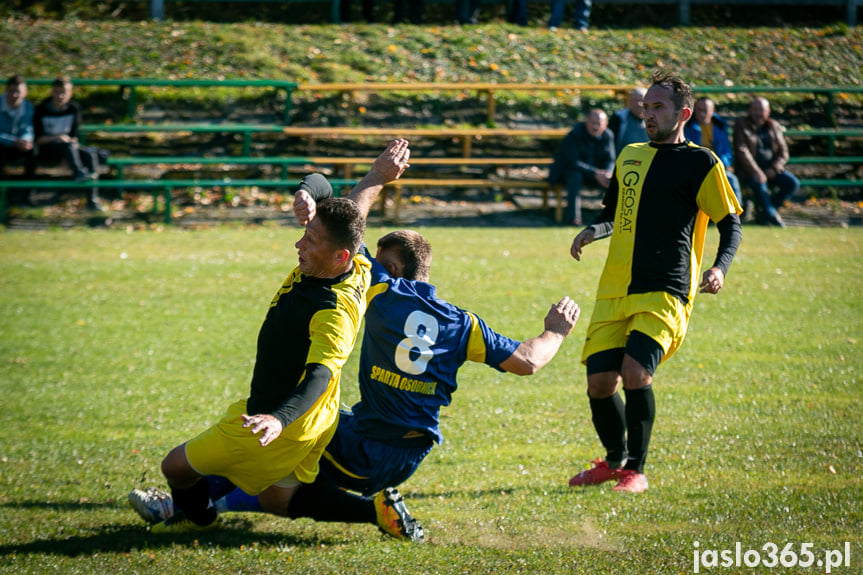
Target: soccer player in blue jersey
413, 346
656, 211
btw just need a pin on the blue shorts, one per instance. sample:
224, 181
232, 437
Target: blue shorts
355, 462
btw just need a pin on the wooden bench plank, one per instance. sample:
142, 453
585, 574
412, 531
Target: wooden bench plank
829, 183
131, 84
119, 163
832, 134
466, 135
185, 128
164, 187
401, 184
826, 160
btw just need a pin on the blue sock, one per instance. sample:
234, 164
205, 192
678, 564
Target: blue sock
238, 500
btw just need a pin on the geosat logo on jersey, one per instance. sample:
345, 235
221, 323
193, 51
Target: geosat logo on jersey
628, 200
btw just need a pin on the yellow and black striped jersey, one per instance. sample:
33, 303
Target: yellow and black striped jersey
660, 199
310, 320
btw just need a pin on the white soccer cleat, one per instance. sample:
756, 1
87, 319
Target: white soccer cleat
153, 505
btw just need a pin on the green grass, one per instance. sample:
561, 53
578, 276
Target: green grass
493, 52
115, 346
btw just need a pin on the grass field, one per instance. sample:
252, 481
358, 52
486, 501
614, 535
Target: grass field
115, 346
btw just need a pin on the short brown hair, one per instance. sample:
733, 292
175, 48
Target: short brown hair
344, 223
681, 91
15, 80
412, 249
61, 82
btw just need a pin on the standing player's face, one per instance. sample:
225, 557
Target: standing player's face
316, 257
663, 123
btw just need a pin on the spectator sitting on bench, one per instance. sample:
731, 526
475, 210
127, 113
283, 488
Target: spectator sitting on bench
586, 156
760, 155
627, 124
16, 130
56, 123
708, 129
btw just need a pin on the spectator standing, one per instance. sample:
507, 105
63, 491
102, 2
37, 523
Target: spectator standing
760, 156
586, 157
582, 14
56, 122
627, 125
467, 11
518, 13
708, 129
656, 212
16, 131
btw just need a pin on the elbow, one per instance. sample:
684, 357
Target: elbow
525, 367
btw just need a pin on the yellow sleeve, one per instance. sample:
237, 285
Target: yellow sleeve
716, 198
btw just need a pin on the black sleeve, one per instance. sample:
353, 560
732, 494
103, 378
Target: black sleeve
309, 390
603, 225
317, 186
730, 235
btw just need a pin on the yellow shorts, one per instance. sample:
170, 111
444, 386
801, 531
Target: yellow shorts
658, 315
230, 450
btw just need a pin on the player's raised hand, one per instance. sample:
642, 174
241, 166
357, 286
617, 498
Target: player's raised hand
393, 161
582, 239
562, 316
305, 207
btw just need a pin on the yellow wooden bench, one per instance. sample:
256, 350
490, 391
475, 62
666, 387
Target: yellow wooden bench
406, 183
466, 135
487, 89
349, 163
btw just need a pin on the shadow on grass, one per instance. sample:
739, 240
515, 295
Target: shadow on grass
60, 505
450, 494
124, 538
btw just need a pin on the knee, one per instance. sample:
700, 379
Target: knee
634, 375
175, 467
275, 500
602, 385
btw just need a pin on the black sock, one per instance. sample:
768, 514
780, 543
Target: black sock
195, 502
640, 413
324, 502
610, 424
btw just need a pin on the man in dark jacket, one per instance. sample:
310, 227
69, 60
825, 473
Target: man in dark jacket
627, 124
586, 157
56, 123
760, 155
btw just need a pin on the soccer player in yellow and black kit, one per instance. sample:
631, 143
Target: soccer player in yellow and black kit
656, 211
271, 442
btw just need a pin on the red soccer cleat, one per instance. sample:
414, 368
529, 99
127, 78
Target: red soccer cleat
631, 481
599, 473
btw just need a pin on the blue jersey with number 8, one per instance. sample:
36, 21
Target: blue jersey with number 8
413, 346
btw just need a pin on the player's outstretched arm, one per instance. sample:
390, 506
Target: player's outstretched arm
389, 166
531, 355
